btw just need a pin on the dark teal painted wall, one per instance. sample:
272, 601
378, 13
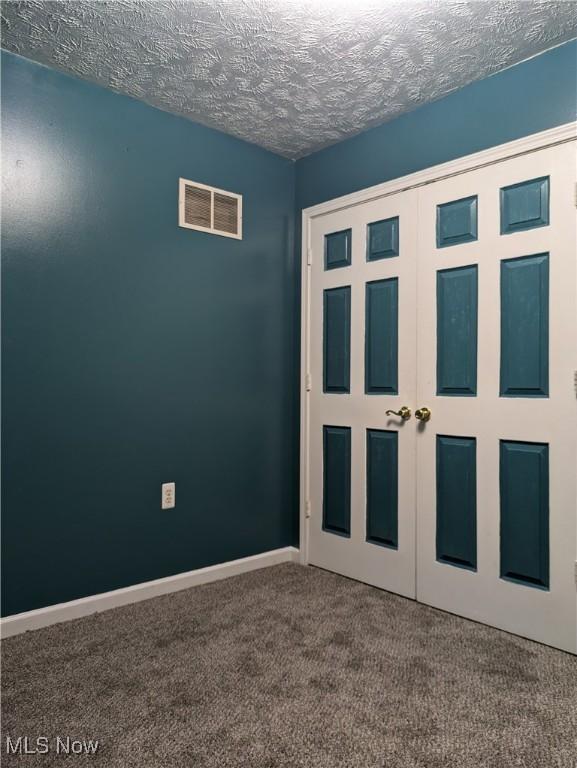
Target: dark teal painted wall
136, 352
530, 97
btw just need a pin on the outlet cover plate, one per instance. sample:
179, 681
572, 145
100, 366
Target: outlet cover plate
168, 495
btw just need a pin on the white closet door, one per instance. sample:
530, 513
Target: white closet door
457, 300
497, 350
362, 362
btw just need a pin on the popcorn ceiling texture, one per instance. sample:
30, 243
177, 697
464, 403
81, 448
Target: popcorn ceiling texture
290, 75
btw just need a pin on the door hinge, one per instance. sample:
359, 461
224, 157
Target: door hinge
308, 510
309, 256
576, 573
308, 382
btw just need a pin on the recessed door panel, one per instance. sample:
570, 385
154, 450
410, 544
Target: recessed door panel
382, 487
457, 222
525, 326
382, 337
525, 206
383, 239
457, 501
338, 249
457, 331
337, 340
337, 480
524, 491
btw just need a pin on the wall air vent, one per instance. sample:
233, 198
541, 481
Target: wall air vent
209, 209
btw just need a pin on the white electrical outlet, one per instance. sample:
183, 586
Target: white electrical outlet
168, 495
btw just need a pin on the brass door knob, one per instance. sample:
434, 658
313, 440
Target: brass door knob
403, 412
423, 414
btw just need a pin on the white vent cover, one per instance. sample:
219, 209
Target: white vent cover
209, 209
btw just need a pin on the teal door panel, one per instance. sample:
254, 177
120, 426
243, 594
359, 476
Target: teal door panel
457, 331
382, 337
337, 480
337, 340
457, 222
524, 528
456, 539
382, 487
383, 239
525, 205
525, 326
338, 249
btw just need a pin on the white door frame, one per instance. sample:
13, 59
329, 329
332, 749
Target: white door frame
534, 142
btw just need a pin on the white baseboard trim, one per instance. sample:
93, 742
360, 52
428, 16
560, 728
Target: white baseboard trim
75, 609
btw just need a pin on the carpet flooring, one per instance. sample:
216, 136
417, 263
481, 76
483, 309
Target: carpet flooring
289, 666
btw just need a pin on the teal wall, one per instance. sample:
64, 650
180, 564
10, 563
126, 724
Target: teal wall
137, 352
530, 97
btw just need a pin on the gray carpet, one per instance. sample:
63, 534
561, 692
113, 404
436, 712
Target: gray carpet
290, 666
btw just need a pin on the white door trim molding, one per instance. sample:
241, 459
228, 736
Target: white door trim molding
527, 144
75, 609
531, 143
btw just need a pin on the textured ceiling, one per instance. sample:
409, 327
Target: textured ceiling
290, 75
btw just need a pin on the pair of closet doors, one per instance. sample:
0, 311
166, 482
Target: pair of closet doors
440, 406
